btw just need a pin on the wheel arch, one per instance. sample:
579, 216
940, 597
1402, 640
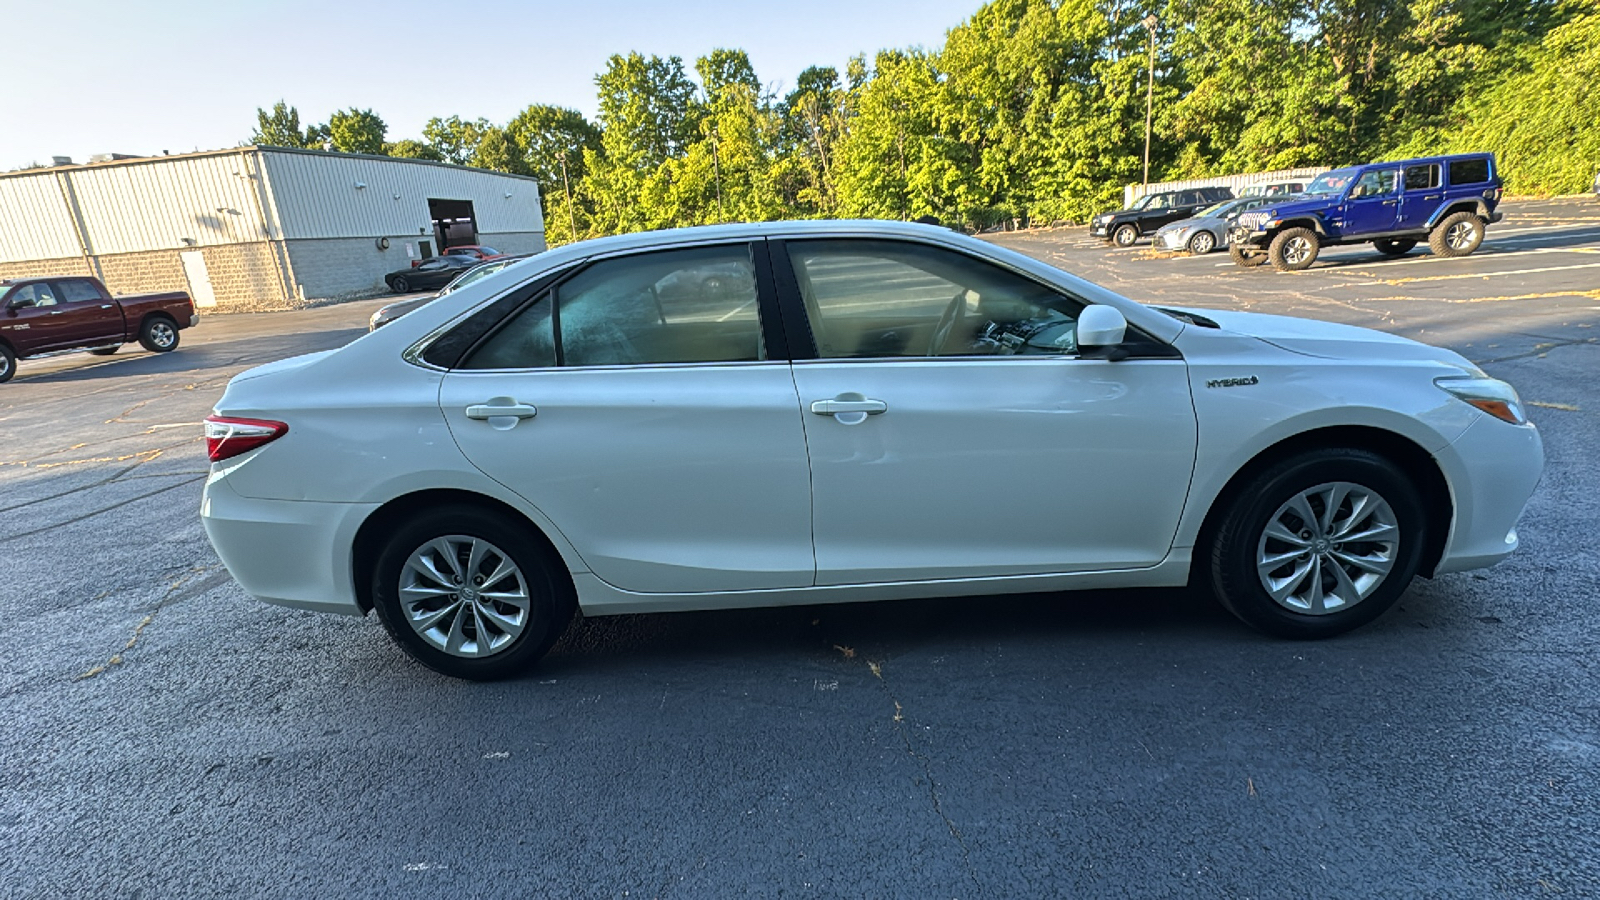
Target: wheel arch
157, 314
381, 522
1312, 222
1477, 207
1411, 457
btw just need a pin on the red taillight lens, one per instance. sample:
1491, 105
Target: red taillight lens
227, 437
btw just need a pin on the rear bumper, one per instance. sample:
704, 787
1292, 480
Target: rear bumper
287, 552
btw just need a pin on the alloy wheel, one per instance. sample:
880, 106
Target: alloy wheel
464, 596
1296, 251
1460, 235
1328, 548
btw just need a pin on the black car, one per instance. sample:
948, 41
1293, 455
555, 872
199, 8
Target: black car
430, 273
391, 311
1150, 212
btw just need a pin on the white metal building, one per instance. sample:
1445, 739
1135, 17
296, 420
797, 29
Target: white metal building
256, 227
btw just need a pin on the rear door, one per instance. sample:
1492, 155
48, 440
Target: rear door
954, 432
88, 316
646, 407
1421, 194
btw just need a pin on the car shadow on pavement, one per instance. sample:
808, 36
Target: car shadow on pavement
194, 358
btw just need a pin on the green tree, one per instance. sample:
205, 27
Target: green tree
547, 135
356, 131
498, 152
409, 149
281, 128
454, 139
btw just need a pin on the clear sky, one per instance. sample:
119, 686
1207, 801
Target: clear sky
99, 76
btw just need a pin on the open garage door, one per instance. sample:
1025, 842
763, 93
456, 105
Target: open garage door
453, 223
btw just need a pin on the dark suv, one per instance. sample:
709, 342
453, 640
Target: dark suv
1447, 201
1150, 212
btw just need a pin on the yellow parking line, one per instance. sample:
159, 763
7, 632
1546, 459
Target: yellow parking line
1477, 275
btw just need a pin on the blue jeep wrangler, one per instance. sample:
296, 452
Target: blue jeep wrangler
1447, 201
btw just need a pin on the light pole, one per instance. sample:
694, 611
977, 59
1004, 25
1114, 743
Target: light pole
1150, 22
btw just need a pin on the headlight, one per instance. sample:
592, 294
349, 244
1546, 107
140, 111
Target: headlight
1491, 395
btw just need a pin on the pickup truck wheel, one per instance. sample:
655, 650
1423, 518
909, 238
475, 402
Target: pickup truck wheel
1202, 242
158, 335
1125, 235
8, 363
105, 351
468, 592
1394, 247
1459, 234
400, 285
1319, 543
1245, 258
1293, 249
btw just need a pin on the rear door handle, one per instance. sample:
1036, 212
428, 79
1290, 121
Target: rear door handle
850, 408
501, 412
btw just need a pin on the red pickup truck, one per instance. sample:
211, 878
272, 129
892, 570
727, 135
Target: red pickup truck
46, 316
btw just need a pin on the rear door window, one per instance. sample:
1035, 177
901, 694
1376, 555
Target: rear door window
1423, 177
76, 290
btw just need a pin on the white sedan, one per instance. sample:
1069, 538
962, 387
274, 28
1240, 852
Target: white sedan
819, 412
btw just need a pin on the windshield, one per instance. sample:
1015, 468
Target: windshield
1150, 201
1331, 182
471, 275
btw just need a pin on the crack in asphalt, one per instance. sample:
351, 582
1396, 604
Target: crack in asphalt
1538, 351
142, 457
22, 534
927, 773
173, 596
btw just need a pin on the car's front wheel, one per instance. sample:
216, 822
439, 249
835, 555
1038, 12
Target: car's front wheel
1202, 242
8, 364
400, 284
1245, 258
1293, 249
470, 593
1125, 235
1319, 544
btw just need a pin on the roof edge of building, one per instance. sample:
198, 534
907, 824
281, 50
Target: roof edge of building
258, 148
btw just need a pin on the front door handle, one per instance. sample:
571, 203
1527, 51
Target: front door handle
501, 413
849, 408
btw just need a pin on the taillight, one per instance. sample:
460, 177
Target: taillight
227, 437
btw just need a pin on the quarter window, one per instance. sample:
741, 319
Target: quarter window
890, 299
1469, 171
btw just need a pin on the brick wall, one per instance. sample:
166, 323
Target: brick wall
343, 268
143, 273
35, 268
245, 277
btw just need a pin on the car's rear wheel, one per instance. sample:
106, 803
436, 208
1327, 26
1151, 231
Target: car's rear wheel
400, 284
8, 364
1125, 235
1293, 249
1458, 235
1245, 258
1202, 242
1394, 247
158, 334
470, 593
1319, 544
105, 351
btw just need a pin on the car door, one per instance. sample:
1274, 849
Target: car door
1421, 196
645, 406
33, 319
1373, 204
88, 316
955, 432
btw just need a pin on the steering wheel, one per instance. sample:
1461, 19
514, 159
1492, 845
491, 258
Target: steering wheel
953, 313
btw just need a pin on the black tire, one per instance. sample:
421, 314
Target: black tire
158, 334
1246, 258
1293, 249
105, 351
1394, 246
1125, 235
1458, 234
1241, 544
1202, 242
400, 284
8, 364
543, 579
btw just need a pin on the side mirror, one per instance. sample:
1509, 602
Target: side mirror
19, 304
1101, 327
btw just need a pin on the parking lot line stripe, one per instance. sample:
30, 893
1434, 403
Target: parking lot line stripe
1476, 274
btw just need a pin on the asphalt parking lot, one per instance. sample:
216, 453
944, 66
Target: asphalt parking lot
167, 736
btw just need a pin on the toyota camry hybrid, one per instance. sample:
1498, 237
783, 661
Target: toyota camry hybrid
818, 412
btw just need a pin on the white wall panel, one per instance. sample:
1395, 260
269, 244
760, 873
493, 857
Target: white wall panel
315, 196
34, 222
188, 201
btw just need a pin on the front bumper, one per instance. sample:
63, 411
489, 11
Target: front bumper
1493, 469
1245, 237
1099, 229
288, 552
1173, 240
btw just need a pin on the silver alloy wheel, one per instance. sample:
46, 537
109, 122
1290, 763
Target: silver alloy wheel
464, 596
1460, 235
1126, 235
1202, 242
1328, 548
5, 364
162, 334
1296, 250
